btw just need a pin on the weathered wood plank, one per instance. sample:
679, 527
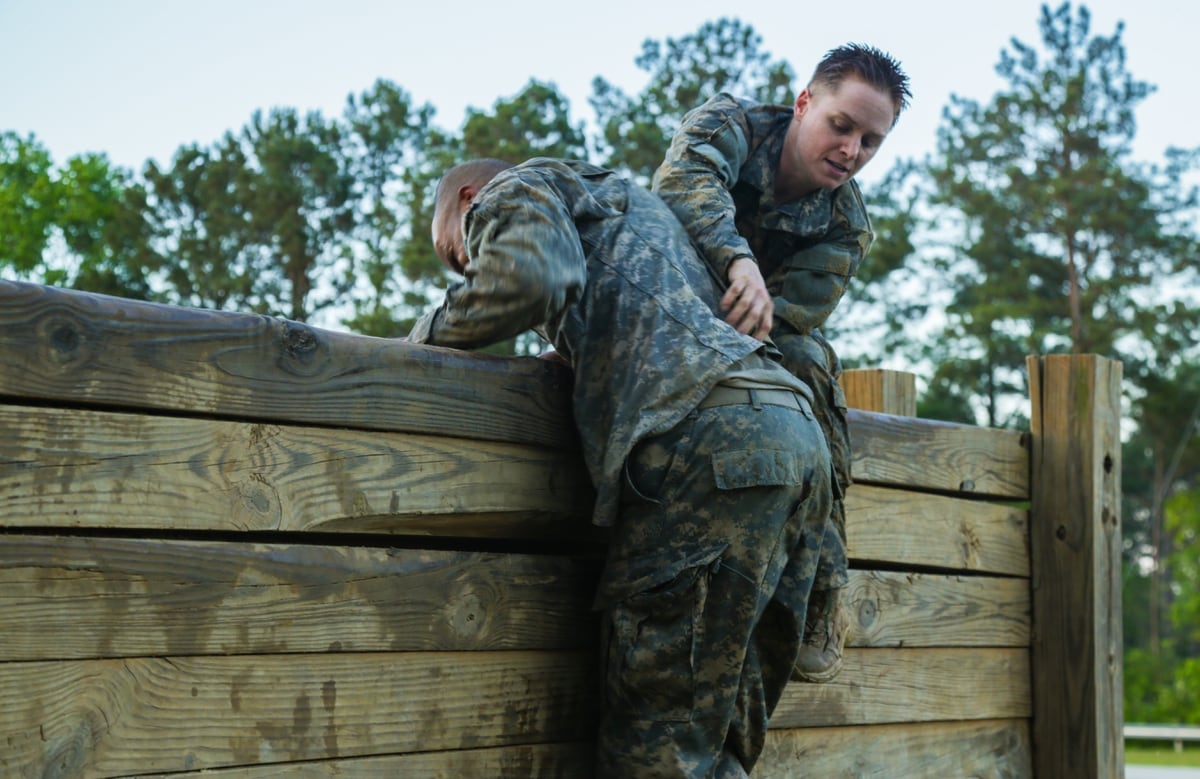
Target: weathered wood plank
931, 455
1075, 530
106, 717
914, 610
75, 598
110, 717
82, 348
574, 760
879, 686
885, 391
994, 749
64, 597
87, 468
895, 526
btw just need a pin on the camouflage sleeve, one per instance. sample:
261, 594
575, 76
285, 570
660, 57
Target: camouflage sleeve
809, 284
526, 265
701, 167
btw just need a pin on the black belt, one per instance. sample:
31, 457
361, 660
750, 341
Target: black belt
736, 396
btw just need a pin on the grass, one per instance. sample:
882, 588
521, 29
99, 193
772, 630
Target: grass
1161, 753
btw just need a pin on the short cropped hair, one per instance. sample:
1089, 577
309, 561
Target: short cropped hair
875, 67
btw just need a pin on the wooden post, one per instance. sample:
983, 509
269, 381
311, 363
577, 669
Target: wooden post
889, 392
1075, 540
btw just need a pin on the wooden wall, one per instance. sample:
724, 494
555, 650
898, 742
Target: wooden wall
236, 546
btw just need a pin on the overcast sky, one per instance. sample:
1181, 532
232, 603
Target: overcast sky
136, 79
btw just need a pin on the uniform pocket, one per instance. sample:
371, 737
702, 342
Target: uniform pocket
742, 468
653, 461
653, 633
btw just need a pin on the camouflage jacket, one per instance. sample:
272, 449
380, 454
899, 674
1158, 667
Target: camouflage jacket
604, 271
719, 179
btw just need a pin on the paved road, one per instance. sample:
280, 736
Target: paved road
1160, 772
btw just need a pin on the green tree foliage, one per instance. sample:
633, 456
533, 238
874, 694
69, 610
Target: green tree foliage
102, 216
300, 206
82, 224
1163, 684
534, 123
201, 223
1064, 243
385, 146
721, 56
28, 202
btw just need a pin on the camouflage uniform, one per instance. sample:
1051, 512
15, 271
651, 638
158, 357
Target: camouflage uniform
712, 503
719, 179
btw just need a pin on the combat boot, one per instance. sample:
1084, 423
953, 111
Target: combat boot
825, 629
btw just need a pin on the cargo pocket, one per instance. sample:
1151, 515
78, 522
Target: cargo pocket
742, 468
655, 625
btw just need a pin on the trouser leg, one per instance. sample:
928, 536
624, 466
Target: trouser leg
714, 512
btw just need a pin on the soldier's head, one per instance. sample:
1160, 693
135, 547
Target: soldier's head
870, 66
455, 192
840, 119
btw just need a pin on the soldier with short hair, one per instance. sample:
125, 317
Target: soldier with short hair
708, 464
768, 195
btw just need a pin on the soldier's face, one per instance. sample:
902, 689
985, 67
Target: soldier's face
835, 132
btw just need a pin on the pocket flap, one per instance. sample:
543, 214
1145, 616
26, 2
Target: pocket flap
743, 468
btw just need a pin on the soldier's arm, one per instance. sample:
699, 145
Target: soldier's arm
701, 167
526, 266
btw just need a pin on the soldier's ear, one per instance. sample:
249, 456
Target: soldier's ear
803, 100
466, 195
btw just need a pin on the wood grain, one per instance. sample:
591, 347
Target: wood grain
70, 598
75, 598
880, 686
992, 749
896, 526
885, 391
84, 468
145, 715
922, 610
1075, 530
572, 760
928, 455
81, 348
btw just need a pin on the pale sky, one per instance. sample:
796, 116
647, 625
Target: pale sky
136, 79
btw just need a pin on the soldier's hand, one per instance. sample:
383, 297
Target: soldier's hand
748, 305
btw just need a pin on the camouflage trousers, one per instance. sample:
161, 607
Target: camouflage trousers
810, 358
703, 596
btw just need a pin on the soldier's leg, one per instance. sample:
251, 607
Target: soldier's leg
811, 358
713, 512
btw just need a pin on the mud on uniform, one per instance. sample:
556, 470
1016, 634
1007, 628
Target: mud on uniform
707, 462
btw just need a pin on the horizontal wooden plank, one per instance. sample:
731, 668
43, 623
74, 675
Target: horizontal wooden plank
898, 527
574, 760
923, 610
86, 468
930, 455
106, 717
81, 348
879, 686
112, 717
64, 597
993, 749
